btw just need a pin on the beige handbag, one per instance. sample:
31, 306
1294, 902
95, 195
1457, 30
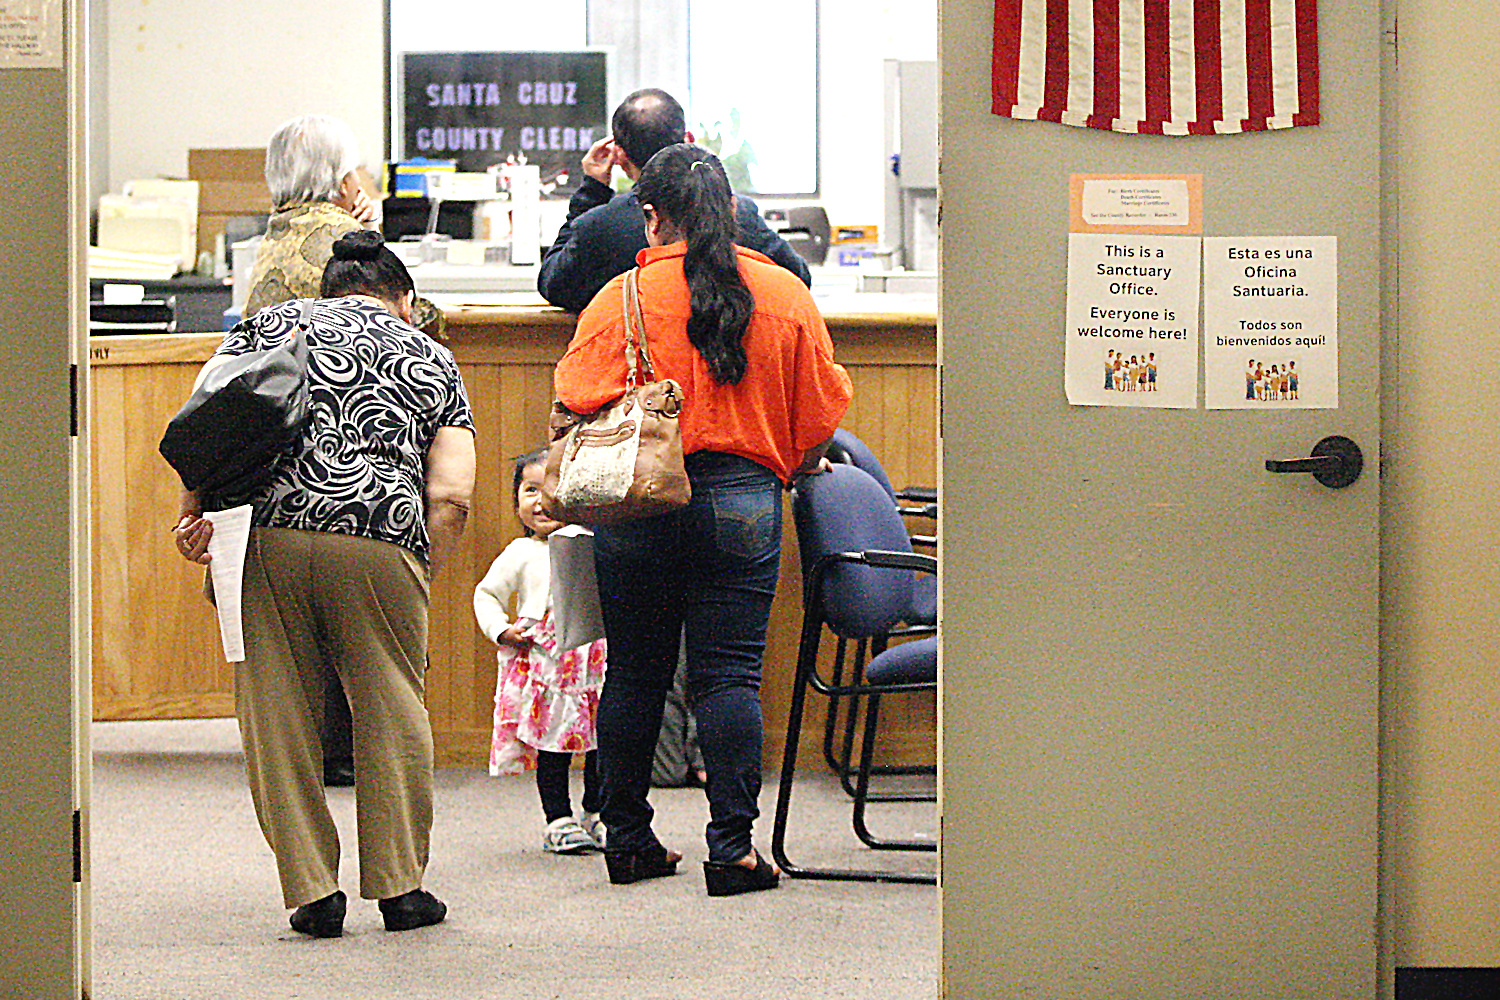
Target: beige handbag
624, 461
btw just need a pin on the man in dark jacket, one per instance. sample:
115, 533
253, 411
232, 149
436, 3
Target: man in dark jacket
605, 231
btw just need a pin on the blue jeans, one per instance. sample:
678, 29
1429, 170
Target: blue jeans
703, 576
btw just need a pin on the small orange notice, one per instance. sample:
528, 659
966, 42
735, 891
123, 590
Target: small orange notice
1167, 204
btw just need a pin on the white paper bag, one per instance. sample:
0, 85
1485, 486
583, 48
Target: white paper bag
575, 588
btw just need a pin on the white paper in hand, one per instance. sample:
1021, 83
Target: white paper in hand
226, 566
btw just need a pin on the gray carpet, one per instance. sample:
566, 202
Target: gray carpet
186, 906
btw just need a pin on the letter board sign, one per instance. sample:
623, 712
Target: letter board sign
481, 107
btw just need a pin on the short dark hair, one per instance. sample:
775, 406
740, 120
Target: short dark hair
363, 265
647, 121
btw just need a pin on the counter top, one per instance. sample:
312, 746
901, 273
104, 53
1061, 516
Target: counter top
844, 307
496, 289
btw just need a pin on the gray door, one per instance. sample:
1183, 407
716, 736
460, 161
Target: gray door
1160, 660
42, 955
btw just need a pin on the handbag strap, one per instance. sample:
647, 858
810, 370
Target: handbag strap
639, 370
298, 342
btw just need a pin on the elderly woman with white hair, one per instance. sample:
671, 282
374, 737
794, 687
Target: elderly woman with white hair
312, 164
312, 170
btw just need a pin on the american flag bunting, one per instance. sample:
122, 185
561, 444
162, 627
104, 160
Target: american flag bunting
1164, 67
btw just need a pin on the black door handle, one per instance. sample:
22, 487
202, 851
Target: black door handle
1335, 462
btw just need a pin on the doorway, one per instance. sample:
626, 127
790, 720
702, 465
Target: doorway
269, 913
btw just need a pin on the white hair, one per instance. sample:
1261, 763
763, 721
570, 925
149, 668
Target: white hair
308, 158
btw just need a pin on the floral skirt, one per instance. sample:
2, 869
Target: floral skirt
544, 699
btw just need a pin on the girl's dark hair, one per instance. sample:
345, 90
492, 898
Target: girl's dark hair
523, 462
363, 265
687, 186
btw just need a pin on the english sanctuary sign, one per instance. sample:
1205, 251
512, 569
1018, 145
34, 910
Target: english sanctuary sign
480, 108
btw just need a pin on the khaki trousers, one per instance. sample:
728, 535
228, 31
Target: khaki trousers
359, 605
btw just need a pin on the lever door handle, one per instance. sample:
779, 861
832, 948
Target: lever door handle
1335, 462
1323, 463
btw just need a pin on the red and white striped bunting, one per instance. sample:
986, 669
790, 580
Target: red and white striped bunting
1165, 67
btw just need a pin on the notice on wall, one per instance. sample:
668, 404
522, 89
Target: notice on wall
31, 34
1168, 204
1270, 322
1132, 336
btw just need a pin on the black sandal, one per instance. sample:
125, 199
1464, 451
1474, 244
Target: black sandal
728, 878
626, 867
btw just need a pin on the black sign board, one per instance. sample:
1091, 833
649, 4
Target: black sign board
480, 108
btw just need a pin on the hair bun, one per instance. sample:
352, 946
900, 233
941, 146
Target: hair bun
362, 244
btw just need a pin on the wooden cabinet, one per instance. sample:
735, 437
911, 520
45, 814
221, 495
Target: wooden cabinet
155, 643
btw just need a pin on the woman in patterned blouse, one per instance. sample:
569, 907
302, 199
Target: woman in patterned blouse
342, 547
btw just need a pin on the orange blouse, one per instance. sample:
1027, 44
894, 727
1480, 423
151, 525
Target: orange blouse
792, 397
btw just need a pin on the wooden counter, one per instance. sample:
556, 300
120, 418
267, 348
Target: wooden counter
156, 648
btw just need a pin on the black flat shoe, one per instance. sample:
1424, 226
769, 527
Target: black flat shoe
410, 910
626, 867
322, 918
726, 878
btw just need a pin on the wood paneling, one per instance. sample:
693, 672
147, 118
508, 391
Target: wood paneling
156, 646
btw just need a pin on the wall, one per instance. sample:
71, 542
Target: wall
1442, 585
208, 73
856, 40
191, 73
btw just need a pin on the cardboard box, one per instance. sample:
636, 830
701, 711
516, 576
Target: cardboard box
233, 198
230, 182
227, 165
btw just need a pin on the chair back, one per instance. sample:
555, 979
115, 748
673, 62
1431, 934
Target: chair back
846, 510
850, 450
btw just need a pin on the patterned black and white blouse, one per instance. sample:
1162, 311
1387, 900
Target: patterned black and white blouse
379, 390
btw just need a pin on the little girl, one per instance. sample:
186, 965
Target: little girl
545, 697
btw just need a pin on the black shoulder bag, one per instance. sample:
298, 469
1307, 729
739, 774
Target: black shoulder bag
230, 436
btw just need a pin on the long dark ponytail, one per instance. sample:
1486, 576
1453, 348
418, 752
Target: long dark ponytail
687, 186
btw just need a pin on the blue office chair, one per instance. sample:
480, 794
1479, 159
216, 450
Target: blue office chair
858, 575
912, 501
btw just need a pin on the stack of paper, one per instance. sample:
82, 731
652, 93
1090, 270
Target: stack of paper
106, 263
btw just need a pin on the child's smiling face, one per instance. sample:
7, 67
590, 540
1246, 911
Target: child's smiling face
529, 502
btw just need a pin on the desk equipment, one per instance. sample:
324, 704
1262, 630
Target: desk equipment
808, 232
155, 217
197, 303
119, 308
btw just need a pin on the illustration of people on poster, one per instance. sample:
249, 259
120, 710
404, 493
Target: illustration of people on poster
1270, 322
1132, 320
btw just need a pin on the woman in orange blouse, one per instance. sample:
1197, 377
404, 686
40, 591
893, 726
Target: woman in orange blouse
751, 351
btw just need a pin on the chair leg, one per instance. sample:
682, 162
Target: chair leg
849, 773
831, 720
845, 767
862, 791
806, 661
